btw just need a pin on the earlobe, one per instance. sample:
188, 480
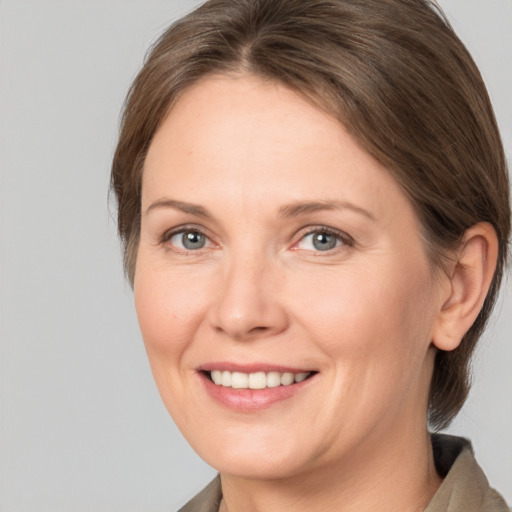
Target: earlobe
470, 278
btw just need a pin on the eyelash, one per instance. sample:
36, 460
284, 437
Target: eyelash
166, 237
345, 239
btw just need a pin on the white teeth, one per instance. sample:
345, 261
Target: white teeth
299, 377
256, 380
273, 379
287, 379
239, 380
226, 379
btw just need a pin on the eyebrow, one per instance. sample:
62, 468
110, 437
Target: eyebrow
300, 208
290, 210
194, 209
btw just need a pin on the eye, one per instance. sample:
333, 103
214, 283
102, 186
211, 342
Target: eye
188, 240
321, 240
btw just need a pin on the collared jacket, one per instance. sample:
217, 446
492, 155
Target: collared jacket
464, 489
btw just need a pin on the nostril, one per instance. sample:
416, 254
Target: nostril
258, 329
251, 331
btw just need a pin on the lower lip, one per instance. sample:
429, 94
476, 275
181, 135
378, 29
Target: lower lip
252, 400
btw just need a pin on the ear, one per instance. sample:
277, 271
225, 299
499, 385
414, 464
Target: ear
468, 282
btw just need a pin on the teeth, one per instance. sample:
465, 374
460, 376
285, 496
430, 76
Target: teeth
226, 379
273, 379
216, 376
239, 380
287, 379
257, 380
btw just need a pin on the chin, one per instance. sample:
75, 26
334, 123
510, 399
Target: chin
251, 455
252, 465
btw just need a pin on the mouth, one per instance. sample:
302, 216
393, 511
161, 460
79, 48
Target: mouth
250, 388
256, 380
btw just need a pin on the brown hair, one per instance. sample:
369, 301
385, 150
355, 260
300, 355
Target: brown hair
393, 72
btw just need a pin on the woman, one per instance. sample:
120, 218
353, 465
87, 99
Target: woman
313, 200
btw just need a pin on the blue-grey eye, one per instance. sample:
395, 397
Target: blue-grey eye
320, 241
189, 240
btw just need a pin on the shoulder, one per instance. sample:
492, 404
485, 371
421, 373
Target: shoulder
208, 500
465, 487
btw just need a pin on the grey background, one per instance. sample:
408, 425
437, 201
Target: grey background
81, 424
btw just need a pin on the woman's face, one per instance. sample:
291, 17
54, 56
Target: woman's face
274, 249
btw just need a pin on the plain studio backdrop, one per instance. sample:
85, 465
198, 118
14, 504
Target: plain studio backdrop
81, 423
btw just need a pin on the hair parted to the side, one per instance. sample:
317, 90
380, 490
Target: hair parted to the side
393, 72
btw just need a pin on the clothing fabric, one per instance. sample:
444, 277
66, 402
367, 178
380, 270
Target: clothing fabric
464, 489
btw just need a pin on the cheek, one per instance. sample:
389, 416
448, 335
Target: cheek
385, 331
371, 317
169, 309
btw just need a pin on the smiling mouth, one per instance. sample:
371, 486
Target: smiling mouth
256, 380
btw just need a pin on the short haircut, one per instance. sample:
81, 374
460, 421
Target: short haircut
393, 72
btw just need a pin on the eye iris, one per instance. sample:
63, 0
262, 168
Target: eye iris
193, 240
324, 241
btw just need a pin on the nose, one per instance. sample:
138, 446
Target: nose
247, 304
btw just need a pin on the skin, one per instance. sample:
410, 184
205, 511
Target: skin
363, 314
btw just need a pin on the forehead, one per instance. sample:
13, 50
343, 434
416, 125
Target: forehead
245, 139
244, 109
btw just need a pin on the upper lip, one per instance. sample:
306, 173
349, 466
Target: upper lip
251, 367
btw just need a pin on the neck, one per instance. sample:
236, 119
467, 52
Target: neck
395, 476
